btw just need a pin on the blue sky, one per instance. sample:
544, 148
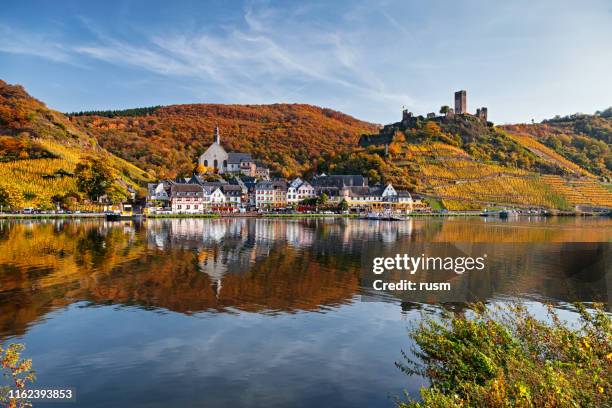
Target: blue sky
522, 59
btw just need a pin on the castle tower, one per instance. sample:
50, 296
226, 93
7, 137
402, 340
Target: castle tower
461, 102
406, 116
482, 113
217, 137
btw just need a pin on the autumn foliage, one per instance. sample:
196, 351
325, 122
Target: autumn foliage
285, 137
39, 151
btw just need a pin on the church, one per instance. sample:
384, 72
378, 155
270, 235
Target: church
217, 158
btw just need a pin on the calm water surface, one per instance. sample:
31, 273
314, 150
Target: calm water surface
256, 312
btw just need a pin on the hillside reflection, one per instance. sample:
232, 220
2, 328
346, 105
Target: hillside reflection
254, 265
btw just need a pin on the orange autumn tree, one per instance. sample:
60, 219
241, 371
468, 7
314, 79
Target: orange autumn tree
168, 139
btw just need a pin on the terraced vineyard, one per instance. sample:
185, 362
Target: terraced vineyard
524, 191
462, 183
36, 179
39, 151
464, 163
581, 192
40, 179
549, 154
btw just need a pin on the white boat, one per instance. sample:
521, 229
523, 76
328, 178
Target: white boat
382, 216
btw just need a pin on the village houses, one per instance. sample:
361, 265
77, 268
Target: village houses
300, 190
187, 198
271, 194
243, 184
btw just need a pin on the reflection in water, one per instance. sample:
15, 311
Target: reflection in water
267, 290
261, 265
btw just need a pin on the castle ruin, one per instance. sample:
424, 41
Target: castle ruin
482, 113
461, 102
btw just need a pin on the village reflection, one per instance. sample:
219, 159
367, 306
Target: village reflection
253, 265
183, 265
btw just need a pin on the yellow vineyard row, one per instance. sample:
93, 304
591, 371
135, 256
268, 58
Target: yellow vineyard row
522, 191
580, 192
548, 153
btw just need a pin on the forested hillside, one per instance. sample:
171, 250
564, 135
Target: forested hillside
583, 139
39, 153
168, 140
459, 162
467, 163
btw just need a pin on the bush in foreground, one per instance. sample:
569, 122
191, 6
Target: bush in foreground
18, 372
505, 357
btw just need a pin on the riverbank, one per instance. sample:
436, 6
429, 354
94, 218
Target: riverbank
48, 216
271, 215
212, 215
303, 215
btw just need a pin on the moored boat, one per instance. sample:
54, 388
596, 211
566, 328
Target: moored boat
382, 216
505, 214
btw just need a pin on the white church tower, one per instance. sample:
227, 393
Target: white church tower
215, 156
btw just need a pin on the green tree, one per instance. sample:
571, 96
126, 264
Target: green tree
444, 109
323, 199
343, 206
43, 203
94, 177
309, 201
506, 357
117, 194
373, 176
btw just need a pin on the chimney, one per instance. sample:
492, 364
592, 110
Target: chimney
217, 137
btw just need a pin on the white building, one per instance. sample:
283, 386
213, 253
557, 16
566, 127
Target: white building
271, 194
217, 198
234, 195
187, 199
299, 190
376, 196
221, 161
157, 192
215, 156
240, 163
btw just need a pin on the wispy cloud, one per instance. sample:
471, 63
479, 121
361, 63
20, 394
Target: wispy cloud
27, 43
270, 55
363, 57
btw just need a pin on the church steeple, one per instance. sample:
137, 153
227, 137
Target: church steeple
217, 137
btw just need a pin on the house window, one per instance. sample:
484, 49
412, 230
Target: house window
205, 163
215, 164
224, 164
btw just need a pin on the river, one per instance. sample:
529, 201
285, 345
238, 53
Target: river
262, 312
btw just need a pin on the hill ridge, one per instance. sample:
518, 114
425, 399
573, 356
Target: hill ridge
285, 137
39, 151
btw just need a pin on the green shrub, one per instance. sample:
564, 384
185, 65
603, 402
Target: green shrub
505, 357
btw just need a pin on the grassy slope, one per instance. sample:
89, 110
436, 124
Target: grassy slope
40, 147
